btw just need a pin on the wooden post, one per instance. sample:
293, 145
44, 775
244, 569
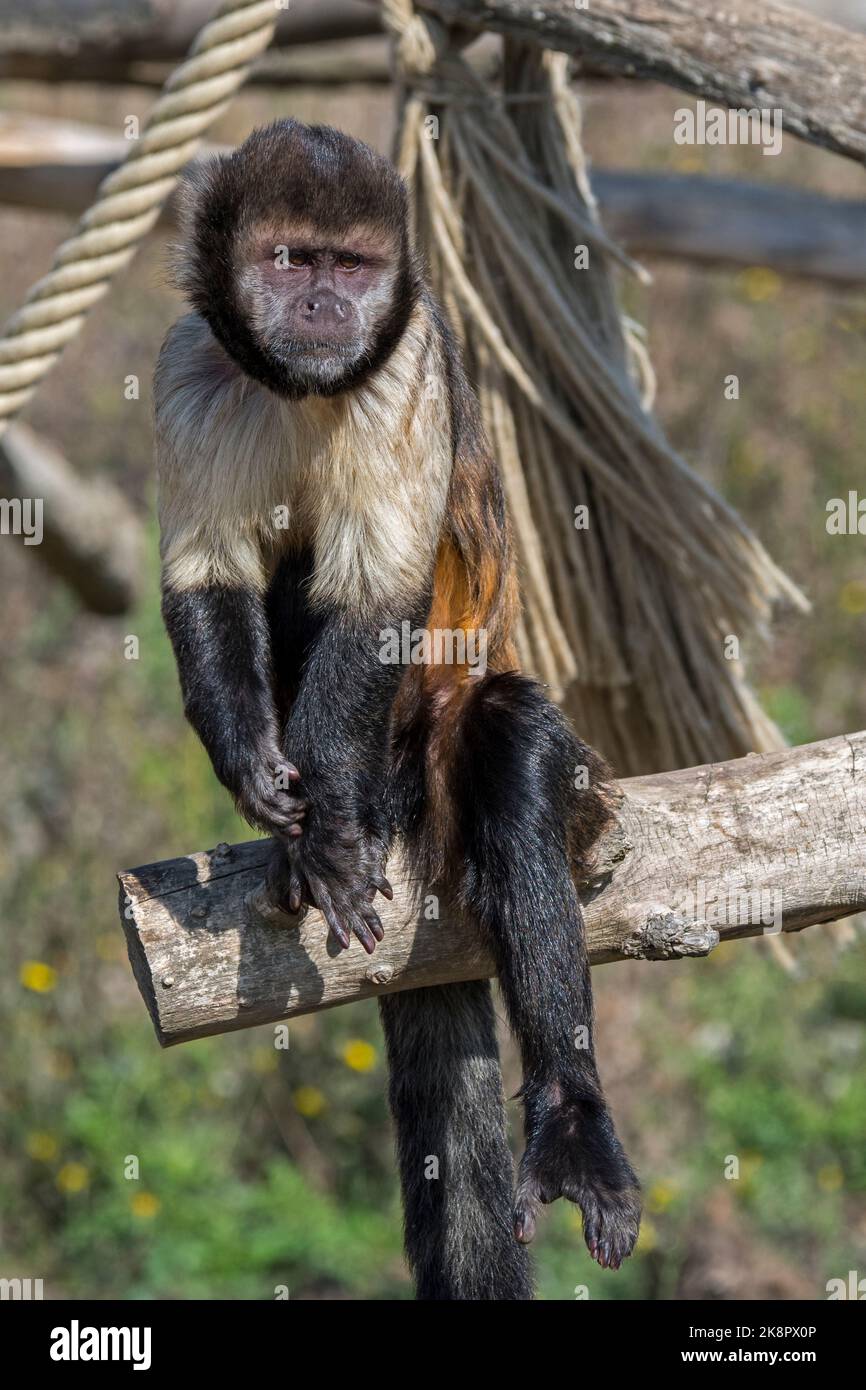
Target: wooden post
767, 843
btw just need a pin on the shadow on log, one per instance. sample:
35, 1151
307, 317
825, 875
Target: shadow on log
768, 843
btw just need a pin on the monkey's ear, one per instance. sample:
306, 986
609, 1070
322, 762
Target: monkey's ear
207, 210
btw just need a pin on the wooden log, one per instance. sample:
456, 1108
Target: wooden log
57, 166
746, 53
106, 40
730, 222
336, 63
767, 843
743, 53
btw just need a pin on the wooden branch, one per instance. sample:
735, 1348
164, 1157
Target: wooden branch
729, 222
764, 843
334, 63
123, 40
57, 166
90, 537
743, 53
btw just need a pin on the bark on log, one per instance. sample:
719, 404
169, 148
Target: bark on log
744, 53
748, 53
765, 843
56, 166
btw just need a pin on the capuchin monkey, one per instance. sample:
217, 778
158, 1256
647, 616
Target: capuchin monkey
324, 478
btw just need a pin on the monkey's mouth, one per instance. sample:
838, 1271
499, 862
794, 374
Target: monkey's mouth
293, 348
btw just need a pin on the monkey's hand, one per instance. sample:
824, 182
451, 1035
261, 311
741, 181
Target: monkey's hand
574, 1153
266, 793
340, 876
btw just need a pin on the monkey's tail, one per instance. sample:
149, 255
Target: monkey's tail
455, 1165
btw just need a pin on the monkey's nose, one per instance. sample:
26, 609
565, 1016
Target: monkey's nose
326, 308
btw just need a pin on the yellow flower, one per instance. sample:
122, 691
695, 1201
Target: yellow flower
73, 1177
38, 976
852, 597
760, 283
359, 1055
41, 1146
145, 1205
309, 1101
830, 1177
660, 1196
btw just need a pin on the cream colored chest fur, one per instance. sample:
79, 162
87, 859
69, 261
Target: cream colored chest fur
243, 475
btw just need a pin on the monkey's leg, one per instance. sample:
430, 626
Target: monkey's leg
518, 812
456, 1172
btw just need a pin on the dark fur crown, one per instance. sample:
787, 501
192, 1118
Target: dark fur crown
298, 173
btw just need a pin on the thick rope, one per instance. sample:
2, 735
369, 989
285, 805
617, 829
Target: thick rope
131, 197
628, 617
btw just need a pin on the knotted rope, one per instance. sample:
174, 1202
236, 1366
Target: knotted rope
626, 619
130, 198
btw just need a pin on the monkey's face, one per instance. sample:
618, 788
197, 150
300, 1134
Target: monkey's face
297, 255
317, 302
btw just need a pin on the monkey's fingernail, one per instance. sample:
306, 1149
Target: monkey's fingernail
524, 1227
295, 831
384, 888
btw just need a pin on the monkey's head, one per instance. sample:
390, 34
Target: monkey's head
297, 254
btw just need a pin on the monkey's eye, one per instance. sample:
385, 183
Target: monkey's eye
347, 260
297, 259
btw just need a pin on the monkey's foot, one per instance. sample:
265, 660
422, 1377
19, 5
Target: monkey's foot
341, 884
580, 1158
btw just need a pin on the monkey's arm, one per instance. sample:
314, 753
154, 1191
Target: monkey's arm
338, 736
221, 644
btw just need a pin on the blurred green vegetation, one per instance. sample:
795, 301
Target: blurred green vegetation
259, 1168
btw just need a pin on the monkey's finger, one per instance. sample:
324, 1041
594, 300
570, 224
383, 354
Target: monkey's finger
325, 904
295, 892
363, 933
380, 881
287, 770
371, 917
524, 1221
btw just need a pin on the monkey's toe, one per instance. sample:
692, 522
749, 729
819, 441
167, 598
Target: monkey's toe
611, 1222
